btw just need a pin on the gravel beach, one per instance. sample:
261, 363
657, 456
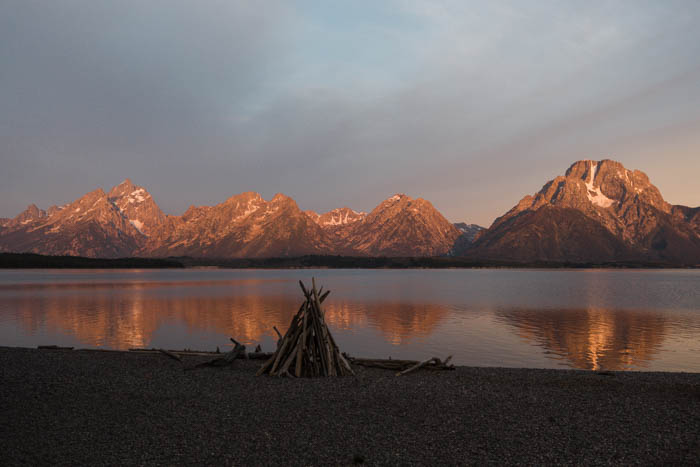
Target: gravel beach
117, 408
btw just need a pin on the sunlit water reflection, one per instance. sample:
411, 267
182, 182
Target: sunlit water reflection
593, 319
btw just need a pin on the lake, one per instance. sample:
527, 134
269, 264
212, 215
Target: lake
588, 319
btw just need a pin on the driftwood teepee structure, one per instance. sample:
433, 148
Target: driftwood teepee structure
307, 348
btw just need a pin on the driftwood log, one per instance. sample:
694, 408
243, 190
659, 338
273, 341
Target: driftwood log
403, 367
181, 353
188, 353
307, 349
170, 354
227, 359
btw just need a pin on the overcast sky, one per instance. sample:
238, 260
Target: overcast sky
469, 104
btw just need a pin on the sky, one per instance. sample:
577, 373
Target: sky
468, 104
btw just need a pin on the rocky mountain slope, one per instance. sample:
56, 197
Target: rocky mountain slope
598, 211
90, 226
402, 226
31, 214
468, 233
338, 220
137, 205
244, 225
127, 222
398, 226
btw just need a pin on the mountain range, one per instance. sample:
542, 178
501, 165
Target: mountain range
598, 211
126, 221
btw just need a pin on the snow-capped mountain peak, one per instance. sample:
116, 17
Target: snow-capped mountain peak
137, 206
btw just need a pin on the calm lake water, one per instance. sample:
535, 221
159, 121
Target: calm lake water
591, 319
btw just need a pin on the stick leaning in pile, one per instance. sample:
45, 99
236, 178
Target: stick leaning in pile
308, 348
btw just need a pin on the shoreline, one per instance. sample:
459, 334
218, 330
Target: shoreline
149, 351
121, 407
35, 261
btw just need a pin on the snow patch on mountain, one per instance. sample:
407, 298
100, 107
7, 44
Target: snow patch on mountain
342, 218
595, 196
137, 196
250, 207
137, 224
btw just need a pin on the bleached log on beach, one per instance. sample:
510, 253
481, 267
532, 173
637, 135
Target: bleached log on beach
182, 353
380, 365
170, 354
382, 362
415, 367
228, 358
434, 364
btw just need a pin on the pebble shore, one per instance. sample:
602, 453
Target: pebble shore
117, 408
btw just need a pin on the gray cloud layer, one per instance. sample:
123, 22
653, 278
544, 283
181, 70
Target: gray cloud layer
468, 104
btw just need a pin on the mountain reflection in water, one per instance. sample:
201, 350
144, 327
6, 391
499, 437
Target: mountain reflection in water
589, 319
594, 339
130, 320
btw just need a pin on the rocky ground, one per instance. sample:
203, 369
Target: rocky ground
96, 408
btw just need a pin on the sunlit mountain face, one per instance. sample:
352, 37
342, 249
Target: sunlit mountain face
598, 211
127, 222
593, 339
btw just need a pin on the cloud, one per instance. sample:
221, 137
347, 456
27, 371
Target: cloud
468, 104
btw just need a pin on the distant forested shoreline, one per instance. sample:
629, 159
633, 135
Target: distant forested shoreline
35, 261
415, 262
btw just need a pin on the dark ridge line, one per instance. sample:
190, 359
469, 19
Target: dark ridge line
36, 261
426, 262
